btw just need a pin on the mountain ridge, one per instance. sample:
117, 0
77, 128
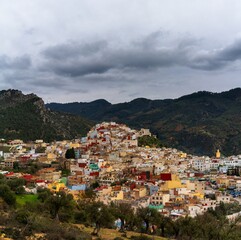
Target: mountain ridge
198, 123
26, 117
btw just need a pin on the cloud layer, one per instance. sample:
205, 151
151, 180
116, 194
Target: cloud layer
82, 51
75, 59
17, 63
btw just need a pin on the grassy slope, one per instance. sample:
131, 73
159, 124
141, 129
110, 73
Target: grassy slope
25, 198
110, 234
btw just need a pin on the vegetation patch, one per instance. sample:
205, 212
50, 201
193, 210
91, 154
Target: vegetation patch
149, 141
26, 198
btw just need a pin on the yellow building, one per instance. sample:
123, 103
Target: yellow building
43, 144
122, 154
109, 169
51, 156
139, 192
222, 181
174, 183
196, 186
74, 145
77, 194
49, 174
182, 155
117, 195
218, 154
160, 198
56, 186
197, 195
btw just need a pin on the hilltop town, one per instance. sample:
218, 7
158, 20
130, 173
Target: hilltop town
110, 161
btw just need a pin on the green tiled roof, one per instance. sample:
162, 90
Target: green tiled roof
157, 207
63, 180
94, 166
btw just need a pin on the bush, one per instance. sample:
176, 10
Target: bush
150, 141
55, 230
12, 233
22, 216
7, 195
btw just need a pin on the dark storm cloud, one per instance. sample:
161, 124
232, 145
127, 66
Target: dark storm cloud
74, 59
206, 61
218, 59
72, 50
150, 53
231, 53
76, 67
22, 62
98, 57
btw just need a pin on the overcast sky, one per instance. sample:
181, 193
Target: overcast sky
82, 50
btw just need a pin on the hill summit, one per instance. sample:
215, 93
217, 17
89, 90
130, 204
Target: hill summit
26, 117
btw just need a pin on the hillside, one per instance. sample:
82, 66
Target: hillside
197, 123
25, 117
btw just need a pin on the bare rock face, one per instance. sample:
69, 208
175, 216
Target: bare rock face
12, 97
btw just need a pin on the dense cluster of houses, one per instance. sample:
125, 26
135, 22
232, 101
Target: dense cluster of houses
109, 158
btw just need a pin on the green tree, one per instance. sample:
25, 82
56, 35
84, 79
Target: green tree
124, 212
16, 166
70, 153
188, 228
146, 216
89, 195
2, 179
7, 195
60, 202
95, 185
16, 184
150, 141
100, 215
40, 149
43, 194
33, 167
210, 227
20, 190
163, 223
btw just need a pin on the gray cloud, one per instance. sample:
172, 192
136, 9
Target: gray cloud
217, 59
83, 50
75, 67
151, 53
231, 52
22, 62
73, 49
99, 57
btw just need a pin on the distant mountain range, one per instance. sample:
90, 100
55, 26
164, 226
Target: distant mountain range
198, 123
26, 117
